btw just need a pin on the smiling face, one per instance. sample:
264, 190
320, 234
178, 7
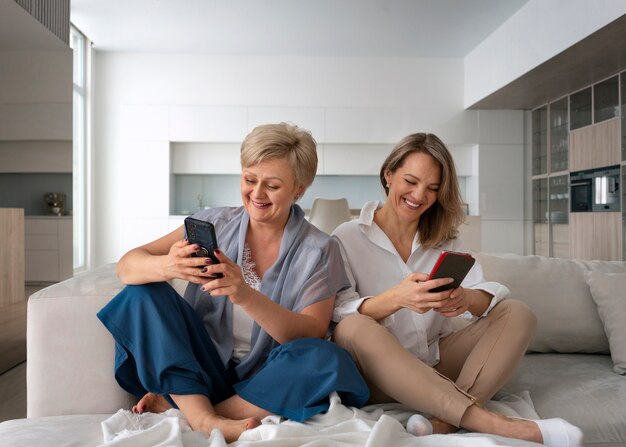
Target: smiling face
413, 187
268, 189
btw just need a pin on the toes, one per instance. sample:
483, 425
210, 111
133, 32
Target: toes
252, 423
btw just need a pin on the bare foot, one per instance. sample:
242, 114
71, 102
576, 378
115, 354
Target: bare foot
230, 428
442, 428
153, 403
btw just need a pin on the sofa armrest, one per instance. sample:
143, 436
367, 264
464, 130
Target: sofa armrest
70, 354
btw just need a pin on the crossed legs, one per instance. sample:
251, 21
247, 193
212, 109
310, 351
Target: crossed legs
476, 358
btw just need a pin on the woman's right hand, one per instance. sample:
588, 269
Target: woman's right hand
413, 292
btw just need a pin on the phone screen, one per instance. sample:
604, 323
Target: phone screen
451, 264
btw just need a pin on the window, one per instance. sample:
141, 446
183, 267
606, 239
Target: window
80, 46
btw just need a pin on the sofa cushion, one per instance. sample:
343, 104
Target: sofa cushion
579, 388
556, 290
607, 290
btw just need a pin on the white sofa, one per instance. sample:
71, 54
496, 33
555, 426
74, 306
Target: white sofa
568, 370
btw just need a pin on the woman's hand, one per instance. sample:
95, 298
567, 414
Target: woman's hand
231, 284
457, 303
179, 262
414, 293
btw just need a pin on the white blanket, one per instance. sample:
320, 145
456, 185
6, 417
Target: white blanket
374, 425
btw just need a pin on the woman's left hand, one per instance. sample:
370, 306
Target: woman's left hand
231, 284
456, 304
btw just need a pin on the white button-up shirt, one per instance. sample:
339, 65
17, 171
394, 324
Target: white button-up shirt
374, 266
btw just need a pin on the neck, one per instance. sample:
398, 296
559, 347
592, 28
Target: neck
266, 232
397, 230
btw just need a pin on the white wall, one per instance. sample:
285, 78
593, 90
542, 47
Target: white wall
140, 99
541, 29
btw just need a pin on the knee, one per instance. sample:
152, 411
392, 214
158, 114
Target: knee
351, 329
145, 295
520, 315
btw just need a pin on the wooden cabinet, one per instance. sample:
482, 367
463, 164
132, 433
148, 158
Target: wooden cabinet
596, 236
11, 256
595, 146
48, 249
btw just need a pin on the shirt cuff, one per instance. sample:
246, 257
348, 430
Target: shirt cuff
498, 291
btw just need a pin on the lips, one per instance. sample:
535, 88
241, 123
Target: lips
260, 205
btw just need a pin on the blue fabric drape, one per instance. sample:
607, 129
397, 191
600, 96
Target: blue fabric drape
162, 347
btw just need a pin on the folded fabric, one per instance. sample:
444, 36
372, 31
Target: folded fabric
373, 425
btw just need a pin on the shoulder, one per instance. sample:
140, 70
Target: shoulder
220, 215
347, 230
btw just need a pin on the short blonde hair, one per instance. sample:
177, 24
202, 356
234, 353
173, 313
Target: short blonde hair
274, 141
441, 221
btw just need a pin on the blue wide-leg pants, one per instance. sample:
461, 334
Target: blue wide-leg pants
161, 346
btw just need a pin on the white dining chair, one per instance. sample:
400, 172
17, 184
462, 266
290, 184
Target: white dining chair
328, 214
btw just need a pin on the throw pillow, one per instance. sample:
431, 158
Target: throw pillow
607, 290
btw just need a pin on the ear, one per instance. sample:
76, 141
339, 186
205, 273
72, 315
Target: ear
387, 176
299, 192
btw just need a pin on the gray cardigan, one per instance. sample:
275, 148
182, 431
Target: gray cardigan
309, 269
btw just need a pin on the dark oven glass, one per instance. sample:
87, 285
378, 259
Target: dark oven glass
580, 195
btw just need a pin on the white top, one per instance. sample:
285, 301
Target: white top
242, 323
374, 265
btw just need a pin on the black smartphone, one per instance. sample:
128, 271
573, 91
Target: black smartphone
451, 264
202, 233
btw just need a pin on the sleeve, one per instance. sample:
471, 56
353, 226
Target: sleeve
348, 300
475, 279
328, 278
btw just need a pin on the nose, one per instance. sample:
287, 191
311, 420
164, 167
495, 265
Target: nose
418, 193
258, 190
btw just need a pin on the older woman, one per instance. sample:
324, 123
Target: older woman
247, 344
400, 332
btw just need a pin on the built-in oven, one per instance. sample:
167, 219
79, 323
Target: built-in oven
595, 190
581, 186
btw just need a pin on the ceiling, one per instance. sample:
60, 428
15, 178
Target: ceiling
596, 57
324, 28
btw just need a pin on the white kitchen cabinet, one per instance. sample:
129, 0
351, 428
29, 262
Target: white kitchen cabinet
310, 118
353, 159
207, 123
48, 248
205, 158
367, 125
465, 159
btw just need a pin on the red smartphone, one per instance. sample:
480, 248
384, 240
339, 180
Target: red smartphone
451, 264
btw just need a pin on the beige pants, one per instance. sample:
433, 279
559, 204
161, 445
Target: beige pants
475, 361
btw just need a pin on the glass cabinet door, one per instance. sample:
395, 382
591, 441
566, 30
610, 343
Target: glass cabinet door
606, 100
623, 102
559, 216
559, 135
540, 216
540, 140
580, 109
624, 213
